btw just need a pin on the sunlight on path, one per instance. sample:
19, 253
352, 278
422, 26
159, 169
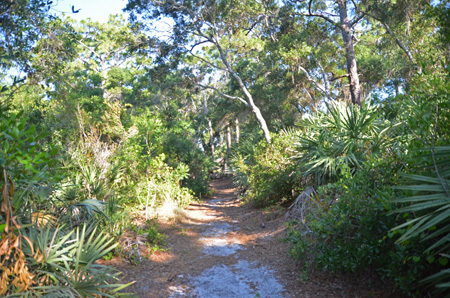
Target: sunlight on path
243, 279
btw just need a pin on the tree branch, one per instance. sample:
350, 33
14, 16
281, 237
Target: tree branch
324, 76
207, 62
397, 41
89, 49
253, 26
339, 77
319, 15
357, 18
401, 45
316, 84
197, 44
223, 94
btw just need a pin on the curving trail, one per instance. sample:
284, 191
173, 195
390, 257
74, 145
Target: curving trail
221, 249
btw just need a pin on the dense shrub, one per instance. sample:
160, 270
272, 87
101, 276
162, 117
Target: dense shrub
343, 135
425, 202
353, 233
266, 172
42, 253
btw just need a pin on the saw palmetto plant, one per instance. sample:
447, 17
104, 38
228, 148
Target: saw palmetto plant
64, 263
344, 135
430, 205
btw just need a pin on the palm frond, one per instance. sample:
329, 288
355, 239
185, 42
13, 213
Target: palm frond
344, 135
431, 206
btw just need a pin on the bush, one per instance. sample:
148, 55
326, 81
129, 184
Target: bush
265, 171
37, 256
352, 234
345, 135
63, 262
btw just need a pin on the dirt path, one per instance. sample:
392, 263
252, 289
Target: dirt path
222, 249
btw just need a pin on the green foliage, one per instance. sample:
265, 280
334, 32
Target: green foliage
56, 257
153, 236
20, 31
357, 229
25, 160
344, 135
424, 202
180, 148
353, 233
265, 171
128, 119
156, 241
426, 213
64, 262
433, 204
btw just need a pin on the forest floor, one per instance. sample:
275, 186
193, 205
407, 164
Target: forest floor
220, 248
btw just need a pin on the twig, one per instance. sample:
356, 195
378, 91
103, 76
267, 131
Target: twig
397, 41
224, 95
339, 77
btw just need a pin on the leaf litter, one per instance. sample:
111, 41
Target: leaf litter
220, 248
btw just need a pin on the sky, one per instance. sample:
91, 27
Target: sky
97, 10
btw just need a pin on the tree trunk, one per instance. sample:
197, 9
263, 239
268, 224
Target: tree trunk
211, 138
355, 87
228, 139
251, 103
255, 109
237, 131
262, 121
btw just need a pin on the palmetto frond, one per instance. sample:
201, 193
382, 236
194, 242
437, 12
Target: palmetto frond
52, 246
84, 211
344, 135
431, 204
69, 260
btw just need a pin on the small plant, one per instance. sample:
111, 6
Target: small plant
135, 255
108, 256
301, 247
153, 236
182, 231
346, 135
155, 248
138, 236
351, 232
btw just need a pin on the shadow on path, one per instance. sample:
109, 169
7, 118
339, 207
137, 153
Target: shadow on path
220, 250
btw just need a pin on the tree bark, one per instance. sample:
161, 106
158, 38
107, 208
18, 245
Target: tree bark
251, 103
352, 69
255, 109
237, 131
211, 138
228, 139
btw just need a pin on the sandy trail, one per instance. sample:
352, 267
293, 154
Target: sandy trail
220, 249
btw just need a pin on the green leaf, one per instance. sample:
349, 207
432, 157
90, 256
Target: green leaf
443, 261
23, 161
5, 146
416, 259
15, 132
